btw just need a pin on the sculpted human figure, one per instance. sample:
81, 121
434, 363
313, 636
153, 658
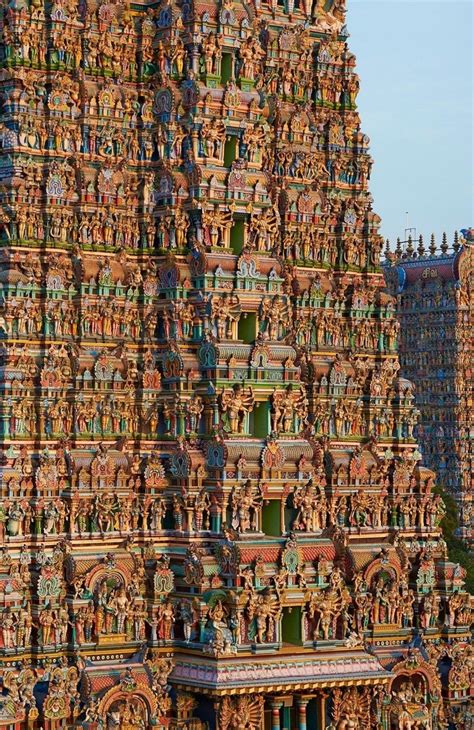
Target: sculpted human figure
274, 317
7, 626
166, 619
201, 510
211, 47
195, 407
263, 229
246, 503
24, 625
157, 514
225, 310
46, 621
213, 136
216, 224
310, 503
379, 610
237, 403
264, 609
289, 408
326, 607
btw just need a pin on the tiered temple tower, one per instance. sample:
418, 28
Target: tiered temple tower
435, 290
213, 511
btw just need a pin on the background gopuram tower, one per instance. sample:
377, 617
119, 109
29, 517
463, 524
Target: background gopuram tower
212, 509
435, 291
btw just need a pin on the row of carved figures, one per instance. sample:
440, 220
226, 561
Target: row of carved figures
329, 614
114, 141
103, 415
119, 231
71, 46
111, 318
103, 55
110, 512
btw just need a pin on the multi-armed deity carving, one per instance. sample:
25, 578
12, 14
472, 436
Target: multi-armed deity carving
288, 410
236, 404
246, 504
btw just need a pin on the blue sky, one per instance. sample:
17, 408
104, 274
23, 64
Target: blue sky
415, 59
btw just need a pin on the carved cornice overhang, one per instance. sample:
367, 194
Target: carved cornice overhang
444, 268
271, 674
251, 449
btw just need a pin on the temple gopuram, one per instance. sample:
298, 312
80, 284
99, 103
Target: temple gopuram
435, 290
213, 510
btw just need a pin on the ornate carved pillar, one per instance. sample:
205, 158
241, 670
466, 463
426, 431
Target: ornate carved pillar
322, 710
282, 513
302, 704
276, 705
